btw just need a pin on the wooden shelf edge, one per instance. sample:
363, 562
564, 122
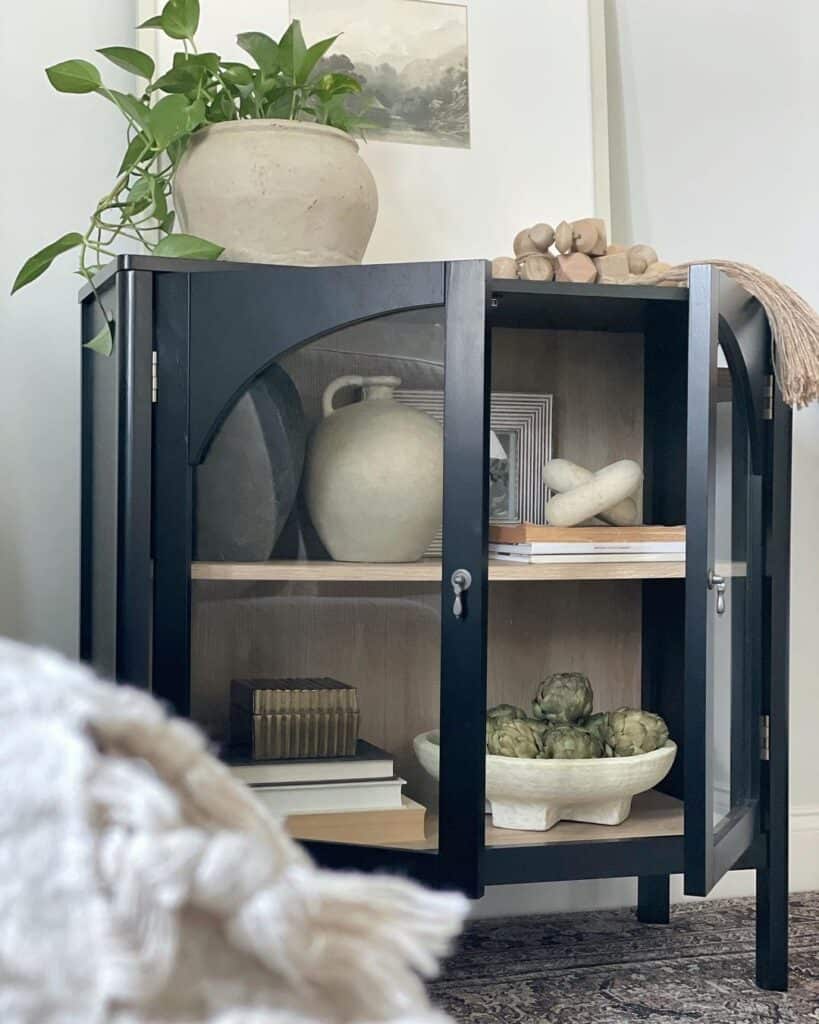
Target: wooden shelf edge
653, 814
419, 572
330, 572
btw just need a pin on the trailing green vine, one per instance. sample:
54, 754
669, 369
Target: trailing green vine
199, 89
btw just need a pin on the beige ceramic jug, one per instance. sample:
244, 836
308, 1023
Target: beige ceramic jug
374, 479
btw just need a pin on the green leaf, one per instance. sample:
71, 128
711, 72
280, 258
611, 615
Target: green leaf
247, 108
311, 58
141, 195
222, 109
169, 120
160, 211
272, 87
102, 343
74, 76
187, 247
143, 189
155, 22
337, 84
196, 115
181, 79
261, 48
338, 116
166, 224
209, 61
138, 149
280, 104
180, 18
147, 193
42, 260
237, 74
139, 113
135, 61
177, 149
292, 49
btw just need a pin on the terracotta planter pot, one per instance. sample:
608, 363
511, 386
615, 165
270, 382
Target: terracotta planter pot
274, 191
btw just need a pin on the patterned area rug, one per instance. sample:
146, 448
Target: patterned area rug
607, 968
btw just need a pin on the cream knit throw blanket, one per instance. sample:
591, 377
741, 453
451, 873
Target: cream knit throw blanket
139, 883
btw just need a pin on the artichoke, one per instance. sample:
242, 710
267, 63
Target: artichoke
632, 731
570, 741
563, 698
503, 712
599, 727
515, 737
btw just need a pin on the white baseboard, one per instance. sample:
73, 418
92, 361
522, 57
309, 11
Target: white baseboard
804, 859
607, 893
805, 819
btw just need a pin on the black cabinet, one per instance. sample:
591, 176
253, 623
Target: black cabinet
679, 379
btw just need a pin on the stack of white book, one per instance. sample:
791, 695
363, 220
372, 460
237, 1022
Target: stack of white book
536, 544
341, 799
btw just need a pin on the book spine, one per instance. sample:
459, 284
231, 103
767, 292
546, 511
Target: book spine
590, 558
585, 547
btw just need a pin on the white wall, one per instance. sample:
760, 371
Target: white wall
59, 153
714, 152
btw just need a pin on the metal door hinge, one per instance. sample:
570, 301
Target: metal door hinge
768, 398
154, 380
765, 737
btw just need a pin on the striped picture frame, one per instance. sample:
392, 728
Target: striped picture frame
530, 417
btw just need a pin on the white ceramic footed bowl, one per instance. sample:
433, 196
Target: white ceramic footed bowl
535, 794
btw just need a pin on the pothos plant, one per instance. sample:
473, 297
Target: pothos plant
200, 89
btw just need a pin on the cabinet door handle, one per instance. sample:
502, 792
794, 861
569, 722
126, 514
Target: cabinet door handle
717, 583
461, 581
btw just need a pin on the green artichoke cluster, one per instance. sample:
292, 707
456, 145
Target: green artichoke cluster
563, 725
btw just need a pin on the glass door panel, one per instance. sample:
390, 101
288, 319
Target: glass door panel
733, 624
363, 563
723, 599
318, 552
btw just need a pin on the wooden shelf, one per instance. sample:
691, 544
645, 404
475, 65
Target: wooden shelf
652, 814
429, 571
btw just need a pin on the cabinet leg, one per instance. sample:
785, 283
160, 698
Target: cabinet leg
772, 929
653, 899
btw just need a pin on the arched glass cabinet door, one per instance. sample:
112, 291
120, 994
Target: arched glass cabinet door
728, 346
408, 635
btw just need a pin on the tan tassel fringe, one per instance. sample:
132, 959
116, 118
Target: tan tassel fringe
794, 327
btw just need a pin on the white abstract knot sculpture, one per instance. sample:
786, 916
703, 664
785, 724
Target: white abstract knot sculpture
583, 495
